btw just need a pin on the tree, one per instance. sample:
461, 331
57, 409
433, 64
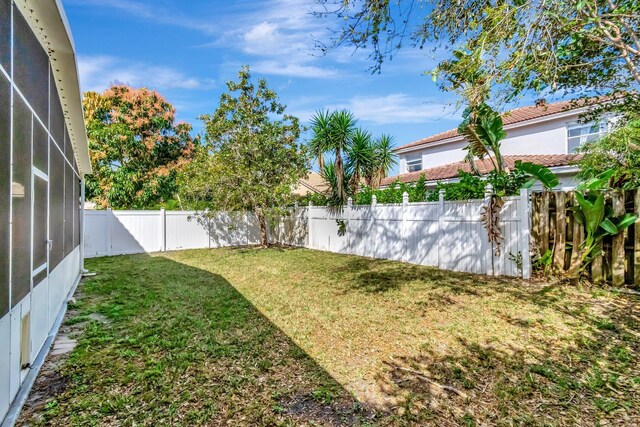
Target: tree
365, 157
333, 132
619, 152
383, 160
250, 159
360, 158
136, 147
576, 46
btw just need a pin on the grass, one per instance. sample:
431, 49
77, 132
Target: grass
300, 337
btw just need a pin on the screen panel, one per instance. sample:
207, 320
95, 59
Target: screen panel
40, 147
5, 35
30, 66
69, 180
56, 206
56, 118
76, 211
40, 193
5, 192
21, 202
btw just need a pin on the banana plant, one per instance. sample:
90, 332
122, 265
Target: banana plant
537, 172
599, 222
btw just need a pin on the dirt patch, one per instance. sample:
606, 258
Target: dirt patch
308, 409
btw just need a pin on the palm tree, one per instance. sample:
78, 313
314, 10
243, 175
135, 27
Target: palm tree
342, 125
360, 157
319, 144
330, 176
383, 159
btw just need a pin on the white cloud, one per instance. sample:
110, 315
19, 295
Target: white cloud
293, 69
99, 72
284, 30
397, 108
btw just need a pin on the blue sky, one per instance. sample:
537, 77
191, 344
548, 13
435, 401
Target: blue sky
187, 50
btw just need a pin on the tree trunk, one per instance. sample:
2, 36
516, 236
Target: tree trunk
339, 175
264, 240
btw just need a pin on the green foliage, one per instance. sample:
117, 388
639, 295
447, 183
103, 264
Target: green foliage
393, 193
482, 126
357, 155
136, 148
510, 47
473, 186
619, 152
543, 262
251, 159
538, 173
598, 221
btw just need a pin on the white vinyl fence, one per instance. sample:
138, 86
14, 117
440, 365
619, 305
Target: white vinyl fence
111, 232
448, 235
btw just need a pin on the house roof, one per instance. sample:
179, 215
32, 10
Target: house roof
517, 115
314, 183
49, 23
484, 166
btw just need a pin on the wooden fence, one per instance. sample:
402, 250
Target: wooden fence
554, 228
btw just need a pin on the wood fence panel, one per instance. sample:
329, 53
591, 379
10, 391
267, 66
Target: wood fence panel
555, 228
560, 232
636, 240
617, 246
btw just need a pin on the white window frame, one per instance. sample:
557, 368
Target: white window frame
604, 126
412, 161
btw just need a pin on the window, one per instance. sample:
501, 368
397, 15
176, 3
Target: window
414, 163
581, 133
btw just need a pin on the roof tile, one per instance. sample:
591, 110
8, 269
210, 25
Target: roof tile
516, 115
450, 170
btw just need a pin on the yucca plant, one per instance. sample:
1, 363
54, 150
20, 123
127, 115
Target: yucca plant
360, 158
320, 128
383, 160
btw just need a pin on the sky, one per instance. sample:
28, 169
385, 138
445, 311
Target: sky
187, 50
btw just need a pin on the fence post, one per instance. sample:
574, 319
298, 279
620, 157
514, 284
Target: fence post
108, 231
163, 230
348, 223
488, 194
440, 225
525, 232
617, 244
374, 203
404, 231
309, 222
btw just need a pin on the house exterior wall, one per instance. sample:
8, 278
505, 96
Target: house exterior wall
39, 201
544, 137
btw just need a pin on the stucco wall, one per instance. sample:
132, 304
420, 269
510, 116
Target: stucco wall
548, 137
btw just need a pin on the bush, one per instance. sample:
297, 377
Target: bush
393, 194
472, 186
618, 151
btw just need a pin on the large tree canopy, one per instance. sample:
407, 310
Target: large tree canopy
585, 47
250, 159
135, 147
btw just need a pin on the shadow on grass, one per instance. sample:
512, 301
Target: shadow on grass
183, 347
585, 378
589, 378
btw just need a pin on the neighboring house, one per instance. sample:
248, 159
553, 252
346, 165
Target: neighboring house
547, 134
44, 156
313, 183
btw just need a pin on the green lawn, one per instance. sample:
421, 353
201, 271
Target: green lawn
300, 337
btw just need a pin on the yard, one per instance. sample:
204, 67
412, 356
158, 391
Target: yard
300, 337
